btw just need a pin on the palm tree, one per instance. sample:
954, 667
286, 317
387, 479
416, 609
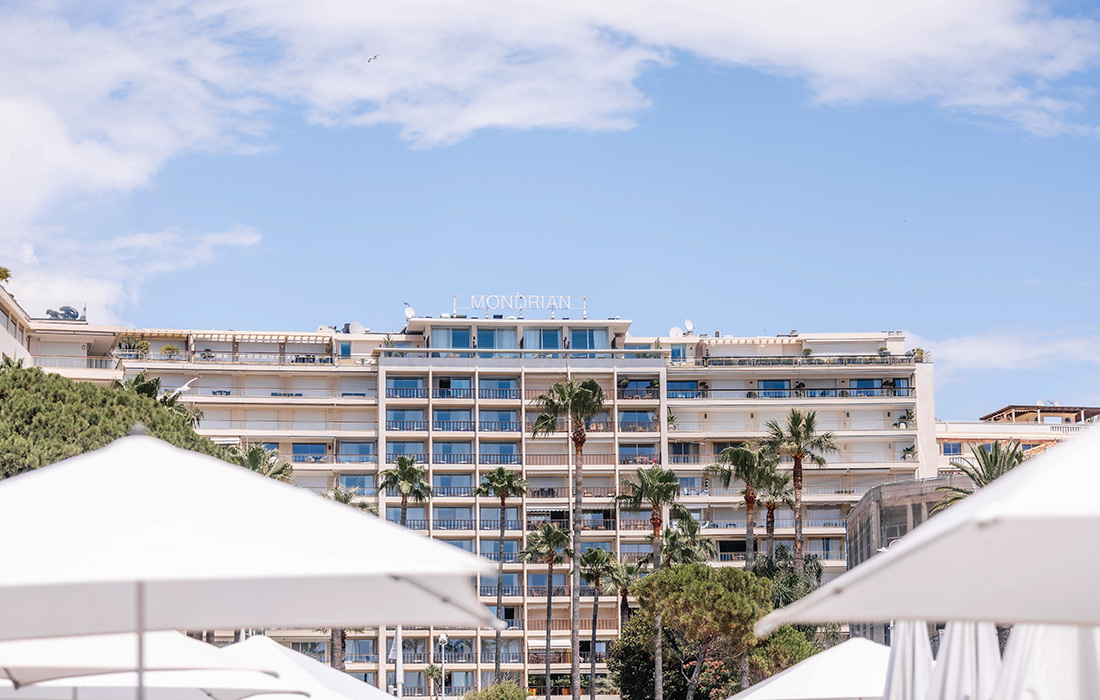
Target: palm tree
753, 469
621, 578
409, 480
5, 274
500, 483
596, 564
988, 464
577, 403
682, 544
658, 489
800, 441
549, 545
434, 674
338, 637
263, 461
776, 492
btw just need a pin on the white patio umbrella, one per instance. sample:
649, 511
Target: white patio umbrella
321, 681
140, 535
910, 669
963, 564
29, 661
968, 662
158, 685
852, 670
1050, 662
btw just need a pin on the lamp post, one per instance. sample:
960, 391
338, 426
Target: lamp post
443, 664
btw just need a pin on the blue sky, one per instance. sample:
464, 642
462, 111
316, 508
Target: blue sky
937, 176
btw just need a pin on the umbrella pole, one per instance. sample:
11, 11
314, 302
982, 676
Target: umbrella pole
141, 640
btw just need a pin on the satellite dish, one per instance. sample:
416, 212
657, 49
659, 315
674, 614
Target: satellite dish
356, 327
444, 315
409, 313
322, 329
689, 326
1057, 405
675, 332
1039, 403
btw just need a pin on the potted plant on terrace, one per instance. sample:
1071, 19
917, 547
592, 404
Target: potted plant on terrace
170, 351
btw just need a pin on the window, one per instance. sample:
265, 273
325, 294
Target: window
952, 449
453, 453
774, 388
453, 518
638, 454
314, 650
682, 389
679, 353
465, 545
308, 452
415, 513
357, 452
492, 546
588, 339
405, 419
345, 349
605, 546
453, 419
362, 483
496, 339
490, 518
368, 677
542, 339
361, 650
720, 447
445, 338
405, 388
635, 421
865, 387
452, 484
454, 388
408, 449
684, 452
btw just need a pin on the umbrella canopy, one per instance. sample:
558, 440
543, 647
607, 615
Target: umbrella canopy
159, 685
35, 660
853, 670
947, 568
1050, 662
143, 535
300, 671
968, 662
910, 670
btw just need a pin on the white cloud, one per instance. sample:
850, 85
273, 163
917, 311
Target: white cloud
956, 358
93, 104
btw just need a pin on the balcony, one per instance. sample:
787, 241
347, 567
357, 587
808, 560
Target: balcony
420, 457
496, 426
415, 657
639, 426
514, 591
458, 657
407, 425
362, 490
267, 392
414, 691
66, 362
452, 393
588, 657
452, 491
536, 623
542, 592
454, 524
539, 658
357, 459
599, 491
417, 524
836, 490
731, 556
533, 525
600, 426
632, 524
811, 393
800, 361
454, 426
499, 394
290, 426
227, 357
548, 492
639, 459
633, 557
361, 658
509, 557
495, 524
453, 458
506, 657
634, 394
598, 524
406, 393
498, 459
547, 460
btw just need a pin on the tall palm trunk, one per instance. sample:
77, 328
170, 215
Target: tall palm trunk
592, 649
657, 522
404, 509
771, 532
796, 482
624, 608
500, 588
579, 439
336, 648
750, 526
549, 611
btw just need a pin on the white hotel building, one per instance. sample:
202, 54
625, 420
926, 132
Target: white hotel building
455, 391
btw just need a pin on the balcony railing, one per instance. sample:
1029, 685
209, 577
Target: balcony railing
598, 524
559, 426
533, 525
651, 393
456, 426
642, 459
405, 425
599, 491
799, 360
837, 490
453, 458
632, 524
266, 392
498, 394
495, 524
452, 393
288, 426
498, 426
417, 524
587, 656
633, 557
505, 591
541, 592
414, 691
506, 657
498, 459
731, 556
536, 623
361, 658
547, 460
415, 657
639, 426
509, 557
538, 658
548, 492
255, 358
454, 524
458, 657
66, 362
819, 522
452, 490
788, 393
357, 459
391, 457
406, 393
362, 490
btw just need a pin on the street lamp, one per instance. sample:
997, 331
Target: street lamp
443, 664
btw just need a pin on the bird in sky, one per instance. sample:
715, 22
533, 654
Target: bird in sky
373, 57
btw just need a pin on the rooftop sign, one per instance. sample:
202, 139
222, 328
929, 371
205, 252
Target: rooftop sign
518, 303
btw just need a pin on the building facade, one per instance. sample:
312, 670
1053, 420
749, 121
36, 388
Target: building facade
455, 393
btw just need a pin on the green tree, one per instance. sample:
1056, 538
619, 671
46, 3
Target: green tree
502, 484
800, 441
263, 461
576, 403
505, 690
409, 480
630, 662
988, 465
434, 674
753, 468
657, 489
549, 546
782, 649
45, 418
5, 274
684, 544
597, 564
145, 386
622, 578
704, 606
776, 492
